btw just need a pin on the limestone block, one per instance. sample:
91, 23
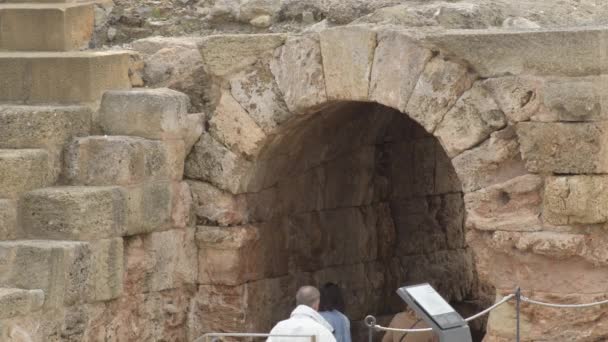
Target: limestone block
257, 92
62, 77
103, 160
164, 160
147, 113
573, 99
563, 148
59, 268
160, 261
235, 255
439, 86
227, 54
105, 280
23, 170
576, 199
494, 161
298, 70
472, 119
242, 307
398, 63
217, 207
149, 207
45, 27
75, 213
505, 271
181, 214
54, 126
195, 126
537, 52
519, 97
513, 205
550, 244
232, 126
8, 219
18, 302
212, 162
348, 54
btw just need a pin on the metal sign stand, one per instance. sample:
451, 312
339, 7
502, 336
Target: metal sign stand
436, 312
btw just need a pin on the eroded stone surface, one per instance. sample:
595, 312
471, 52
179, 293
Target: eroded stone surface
575, 199
298, 70
563, 147
474, 116
514, 205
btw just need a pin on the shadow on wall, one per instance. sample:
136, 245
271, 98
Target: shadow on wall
360, 195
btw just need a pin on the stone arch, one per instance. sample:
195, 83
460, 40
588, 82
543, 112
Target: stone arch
271, 83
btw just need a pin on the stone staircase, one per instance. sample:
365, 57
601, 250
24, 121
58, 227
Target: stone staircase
67, 197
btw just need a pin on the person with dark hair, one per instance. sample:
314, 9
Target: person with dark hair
332, 308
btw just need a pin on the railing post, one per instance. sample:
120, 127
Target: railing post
517, 308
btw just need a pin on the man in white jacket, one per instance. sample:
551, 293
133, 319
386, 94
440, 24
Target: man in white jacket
304, 320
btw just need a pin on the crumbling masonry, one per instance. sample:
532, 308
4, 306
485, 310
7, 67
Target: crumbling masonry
365, 155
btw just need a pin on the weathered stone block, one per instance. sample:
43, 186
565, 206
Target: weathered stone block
54, 126
59, 268
573, 99
45, 27
348, 54
348, 180
494, 161
18, 302
527, 52
148, 113
257, 92
8, 219
235, 255
23, 170
62, 77
514, 205
439, 86
474, 116
519, 97
551, 244
234, 128
160, 261
227, 54
105, 280
149, 207
75, 213
214, 206
398, 63
212, 162
563, 147
181, 213
576, 199
298, 70
127, 160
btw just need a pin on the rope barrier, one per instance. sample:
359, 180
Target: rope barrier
563, 306
505, 299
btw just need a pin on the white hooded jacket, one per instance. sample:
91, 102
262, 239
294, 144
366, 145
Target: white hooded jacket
304, 320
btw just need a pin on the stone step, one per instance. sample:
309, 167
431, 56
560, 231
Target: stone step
19, 302
61, 77
68, 272
95, 212
45, 27
8, 219
23, 170
126, 160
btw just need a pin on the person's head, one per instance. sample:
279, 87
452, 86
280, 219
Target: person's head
331, 298
309, 296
